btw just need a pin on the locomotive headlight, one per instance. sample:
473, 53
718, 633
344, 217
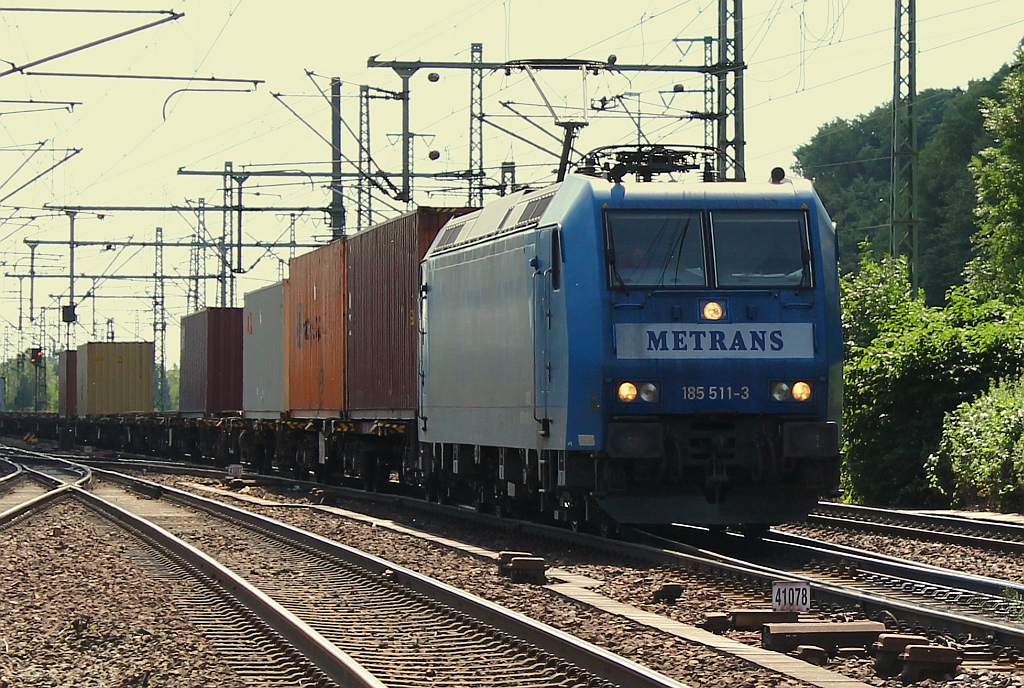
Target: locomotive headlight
627, 392
801, 391
780, 391
792, 391
649, 392
713, 311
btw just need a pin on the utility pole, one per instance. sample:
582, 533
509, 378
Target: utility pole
160, 392
227, 230
337, 210
476, 127
903, 201
68, 312
364, 193
196, 298
731, 144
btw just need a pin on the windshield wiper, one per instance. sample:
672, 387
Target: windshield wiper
615, 270
679, 256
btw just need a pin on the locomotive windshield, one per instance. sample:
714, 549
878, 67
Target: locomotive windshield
749, 249
761, 248
655, 248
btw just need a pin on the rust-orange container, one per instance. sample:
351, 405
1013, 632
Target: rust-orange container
315, 327
383, 333
67, 383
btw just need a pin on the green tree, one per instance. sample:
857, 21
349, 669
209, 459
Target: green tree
850, 162
946, 190
999, 174
978, 463
173, 385
907, 366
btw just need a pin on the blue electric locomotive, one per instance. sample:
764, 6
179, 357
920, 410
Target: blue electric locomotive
642, 352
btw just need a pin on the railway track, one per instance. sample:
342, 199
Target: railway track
958, 530
888, 600
917, 596
394, 627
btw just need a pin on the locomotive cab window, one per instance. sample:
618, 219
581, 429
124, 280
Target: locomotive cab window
761, 248
655, 248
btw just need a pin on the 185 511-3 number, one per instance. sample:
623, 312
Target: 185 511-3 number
713, 393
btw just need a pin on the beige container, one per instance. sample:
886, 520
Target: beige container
115, 378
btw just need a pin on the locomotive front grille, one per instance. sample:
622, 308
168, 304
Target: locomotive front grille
710, 452
636, 440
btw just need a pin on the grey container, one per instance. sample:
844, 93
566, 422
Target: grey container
211, 362
264, 371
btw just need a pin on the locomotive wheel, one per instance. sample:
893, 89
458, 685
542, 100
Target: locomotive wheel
607, 528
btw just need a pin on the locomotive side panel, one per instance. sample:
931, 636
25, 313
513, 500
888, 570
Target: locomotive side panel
478, 351
264, 364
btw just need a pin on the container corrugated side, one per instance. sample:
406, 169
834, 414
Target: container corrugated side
264, 365
192, 381
67, 383
115, 378
315, 332
211, 362
383, 333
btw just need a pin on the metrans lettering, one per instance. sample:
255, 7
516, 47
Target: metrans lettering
676, 340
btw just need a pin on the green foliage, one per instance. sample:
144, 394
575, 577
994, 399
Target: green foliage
173, 387
849, 161
875, 299
907, 366
28, 387
999, 173
946, 190
978, 463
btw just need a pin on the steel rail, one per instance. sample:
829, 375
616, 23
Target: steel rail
941, 528
337, 665
591, 658
701, 561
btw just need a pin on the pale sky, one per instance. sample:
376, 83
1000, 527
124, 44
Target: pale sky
809, 61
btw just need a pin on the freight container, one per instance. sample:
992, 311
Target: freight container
67, 382
115, 378
384, 290
315, 327
211, 362
264, 365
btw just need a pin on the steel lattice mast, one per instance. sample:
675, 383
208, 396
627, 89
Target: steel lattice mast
903, 202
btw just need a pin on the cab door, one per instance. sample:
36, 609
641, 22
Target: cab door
545, 278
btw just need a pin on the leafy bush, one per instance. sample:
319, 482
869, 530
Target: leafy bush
907, 366
979, 462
